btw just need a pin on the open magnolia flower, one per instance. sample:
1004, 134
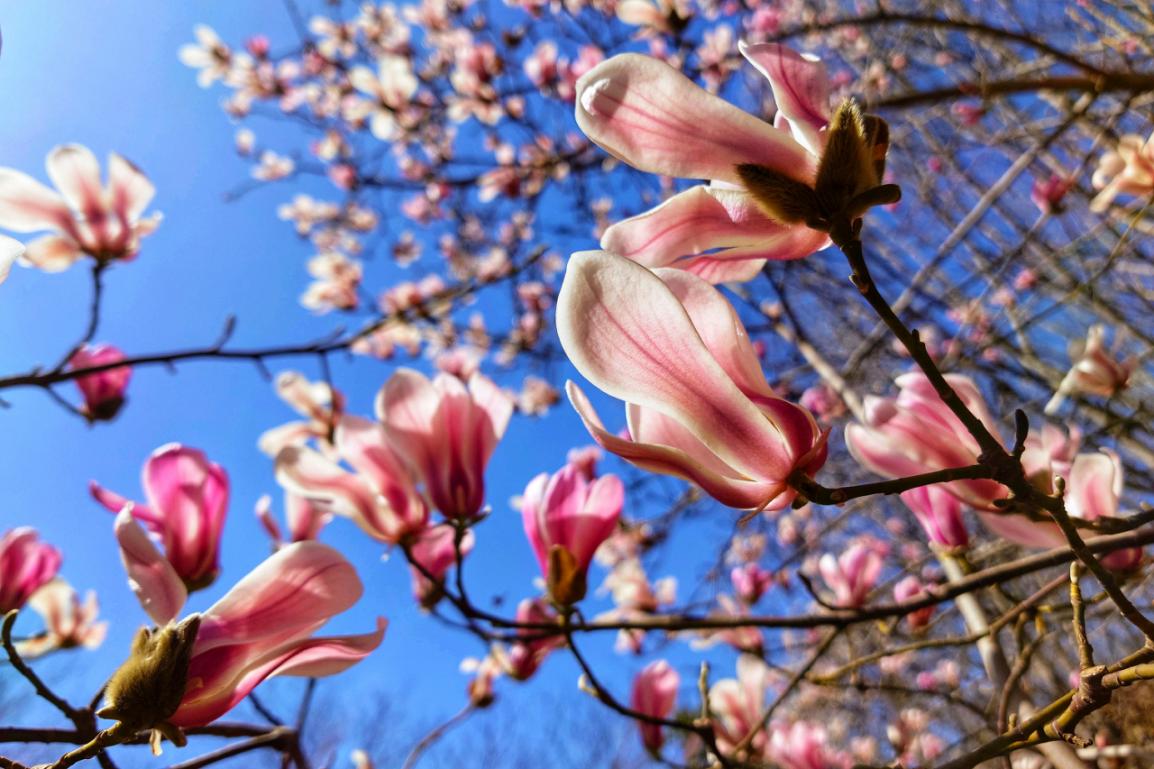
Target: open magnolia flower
1126, 170
771, 184
68, 622
698, 404
261, 628
104, 221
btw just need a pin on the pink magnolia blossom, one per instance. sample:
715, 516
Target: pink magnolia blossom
381, 496
263, 627
698, 404
304, 518
68, 623
567, 511
940, 514
1096, 370
435, 551
26, 564
447, 432
646, 113
103, 391
739, 703
909, 588
1126, 170
318, 402
750, 582
852, 575
1048, 194
187, 501
802, 745
103, 221
654, 694
917, 433
635, 598
523, 658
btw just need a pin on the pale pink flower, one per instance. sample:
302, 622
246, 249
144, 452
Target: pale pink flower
320, 404
68, 623
917, 433
26, 564
435, 550
447, 432
654, 694
823, 401
909, 588
656, 16
304, 518
208, 54
750, 582
940, 514
380, 496
802, 745
698, 404
336, 281
272, 167
567, 511
1096, 370
392, 88
187, 501
263, 627
646, 113
537, 396
480, 688
743, 638
1127, 170
852, 575
103, 391
737, 705
635, 598
103, 221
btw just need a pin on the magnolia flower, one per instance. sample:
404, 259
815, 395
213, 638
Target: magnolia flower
381, 496
1127, 170
523, 658
852, 575
447, 432
1096, 371
187, 501
739, 703
910, 588
750, 582
698, 404
102, 221
318, 402
68, 623
802, 745
263, 627
26, 564
435, 551
103, 391
917, 433
644, 112
940, 514
392, 88
566, 518
654, 694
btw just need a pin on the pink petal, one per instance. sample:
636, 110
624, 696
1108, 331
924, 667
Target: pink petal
724, 223
157, 586
191, 494
800, 89
627, 333
208, 699
52, 253
1022, 530
1094, 486
654, 118
723, 270
10, 251
129, 190
738, 492
76, 173
306, 472
286, 597
26, 205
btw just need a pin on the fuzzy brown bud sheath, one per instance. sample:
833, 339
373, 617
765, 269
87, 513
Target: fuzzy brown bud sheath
147, 689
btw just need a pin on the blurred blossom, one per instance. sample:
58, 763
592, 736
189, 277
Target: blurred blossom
26, 564
104, 221
1126, 170
910, 588
738, 703
654, 694
1096, 370
434, 550
336, 280
750, 582
103, 391
940, 514
522, 658
68, 623
318, 402
852, 575
304, 518
1048, 194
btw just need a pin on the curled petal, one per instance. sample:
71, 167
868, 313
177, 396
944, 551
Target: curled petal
800, 86
651, 116
26, 205
723, 223
156, 584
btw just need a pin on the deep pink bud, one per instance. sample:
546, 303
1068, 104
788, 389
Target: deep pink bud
26, 563
103, 391
940, 514
523, 658
654, 694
